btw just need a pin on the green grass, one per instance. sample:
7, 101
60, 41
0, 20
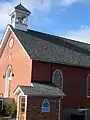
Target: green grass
2, 118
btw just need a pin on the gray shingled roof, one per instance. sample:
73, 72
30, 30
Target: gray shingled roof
50, 48
41, 89
22, 8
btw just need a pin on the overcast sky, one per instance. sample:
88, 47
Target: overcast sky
68, 18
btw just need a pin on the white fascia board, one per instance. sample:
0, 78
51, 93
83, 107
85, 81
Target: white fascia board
18, 91
4, 36
13, 10
20, 44
32, 85
82, 109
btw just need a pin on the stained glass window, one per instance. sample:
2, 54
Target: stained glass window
57, 79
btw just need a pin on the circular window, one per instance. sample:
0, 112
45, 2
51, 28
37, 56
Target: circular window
11, 43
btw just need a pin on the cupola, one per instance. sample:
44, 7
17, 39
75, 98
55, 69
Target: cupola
19, 17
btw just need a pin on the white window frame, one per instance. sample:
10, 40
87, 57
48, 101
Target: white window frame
8, 78
87, 86
61, 76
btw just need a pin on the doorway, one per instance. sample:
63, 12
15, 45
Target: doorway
22, 108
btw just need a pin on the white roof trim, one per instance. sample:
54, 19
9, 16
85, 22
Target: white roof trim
20, 44
15, 10
18, 91
11, 12
82, 110
32, 85
8, 27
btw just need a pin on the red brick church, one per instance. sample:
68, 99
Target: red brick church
50, 75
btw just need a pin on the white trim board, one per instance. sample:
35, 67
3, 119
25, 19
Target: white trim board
9, 28
18, 91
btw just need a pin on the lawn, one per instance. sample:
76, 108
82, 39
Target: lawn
4, 118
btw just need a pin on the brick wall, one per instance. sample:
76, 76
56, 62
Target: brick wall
21, 66
74, 82
34, 105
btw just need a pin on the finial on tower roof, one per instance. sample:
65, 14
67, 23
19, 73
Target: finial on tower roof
20, 2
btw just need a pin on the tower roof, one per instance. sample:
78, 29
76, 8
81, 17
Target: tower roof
22, 8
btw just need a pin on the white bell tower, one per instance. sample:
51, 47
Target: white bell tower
19, 17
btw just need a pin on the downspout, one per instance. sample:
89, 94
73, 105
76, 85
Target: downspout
59, 109
85, 114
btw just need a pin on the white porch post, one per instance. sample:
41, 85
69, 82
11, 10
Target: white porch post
17, 108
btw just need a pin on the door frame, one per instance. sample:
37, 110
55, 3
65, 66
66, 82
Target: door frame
18, 106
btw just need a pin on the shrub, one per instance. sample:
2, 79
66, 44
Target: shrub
13, 108
10, 110
7, 110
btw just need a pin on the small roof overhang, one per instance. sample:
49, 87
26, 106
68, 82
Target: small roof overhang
82, 109
38, 89
77, 111
18, 91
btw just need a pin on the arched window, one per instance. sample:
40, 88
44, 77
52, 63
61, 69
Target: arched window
9, 73
88, 85
45, 106
57, 79
7, 82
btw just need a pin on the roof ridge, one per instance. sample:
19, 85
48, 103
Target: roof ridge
57, 36
65, 42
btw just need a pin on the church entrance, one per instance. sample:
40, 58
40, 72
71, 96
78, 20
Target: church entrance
22, 108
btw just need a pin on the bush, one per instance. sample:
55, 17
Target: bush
7, 110
13, 110
10, 110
